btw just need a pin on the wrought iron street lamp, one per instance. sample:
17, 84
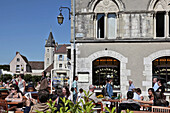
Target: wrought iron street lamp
60, 17
60, 21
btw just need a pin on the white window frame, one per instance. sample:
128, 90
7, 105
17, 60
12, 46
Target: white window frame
106, 26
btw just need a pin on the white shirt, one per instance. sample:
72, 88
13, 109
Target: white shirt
136, 96
155, 87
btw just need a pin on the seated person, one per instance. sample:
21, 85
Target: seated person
15, 94
93, 96
129, 103
43, 96
137, 94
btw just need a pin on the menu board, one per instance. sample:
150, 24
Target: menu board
83, 77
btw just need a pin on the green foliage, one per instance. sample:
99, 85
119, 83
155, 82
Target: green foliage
6, 77
27, 77
74, 108
114, 108
51, 106
128, 111
5, 67
36, 79
87, 105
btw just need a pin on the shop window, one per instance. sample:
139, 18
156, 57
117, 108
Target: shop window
160, 24
105, 68
100, 25
161, 70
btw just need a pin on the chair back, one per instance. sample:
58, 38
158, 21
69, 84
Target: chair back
130, 106
3, 104
30, 89
160, 109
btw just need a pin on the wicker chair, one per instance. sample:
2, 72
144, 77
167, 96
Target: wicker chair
160, 109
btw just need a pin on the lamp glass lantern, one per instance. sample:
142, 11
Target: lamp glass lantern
60, 18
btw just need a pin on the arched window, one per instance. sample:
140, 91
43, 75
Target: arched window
161, 70
106, 19
161, 17
106, 67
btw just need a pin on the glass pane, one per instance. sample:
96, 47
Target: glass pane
160, 24
100, 26
111, 26
106, 69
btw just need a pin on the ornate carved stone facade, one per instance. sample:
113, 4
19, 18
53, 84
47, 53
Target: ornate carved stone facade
136, 42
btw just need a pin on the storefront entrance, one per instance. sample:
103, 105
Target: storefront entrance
161, 70
104, 68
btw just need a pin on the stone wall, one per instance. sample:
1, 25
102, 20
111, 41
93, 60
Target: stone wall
136, 25
135, 61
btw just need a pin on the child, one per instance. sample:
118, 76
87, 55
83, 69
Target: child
80, 97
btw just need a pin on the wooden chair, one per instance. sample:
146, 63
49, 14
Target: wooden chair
4, 104
99, 110
30, 89
160, 109
19, 112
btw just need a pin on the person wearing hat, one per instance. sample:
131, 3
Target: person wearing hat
93, 96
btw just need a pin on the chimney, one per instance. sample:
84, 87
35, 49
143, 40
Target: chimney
17, 52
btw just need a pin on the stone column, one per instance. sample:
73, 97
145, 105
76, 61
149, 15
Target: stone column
118, 25
154, 25
166, 25
105, 25
95, 26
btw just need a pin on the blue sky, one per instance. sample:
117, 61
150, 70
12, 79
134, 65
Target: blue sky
25, 25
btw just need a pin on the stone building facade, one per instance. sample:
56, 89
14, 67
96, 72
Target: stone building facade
134, 33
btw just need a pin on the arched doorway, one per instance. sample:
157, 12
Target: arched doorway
161, 70
106, 67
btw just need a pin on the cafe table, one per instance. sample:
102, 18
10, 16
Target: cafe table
115, 101
15, 102
3, 93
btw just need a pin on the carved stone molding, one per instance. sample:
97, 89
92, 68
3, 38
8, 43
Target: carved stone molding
106, 6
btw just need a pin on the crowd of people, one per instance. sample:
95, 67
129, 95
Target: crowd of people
17, 88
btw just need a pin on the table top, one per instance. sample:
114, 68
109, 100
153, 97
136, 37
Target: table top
3, 89
111, 100
14, 102
142, 112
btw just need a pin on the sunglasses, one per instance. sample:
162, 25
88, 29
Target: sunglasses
12, 88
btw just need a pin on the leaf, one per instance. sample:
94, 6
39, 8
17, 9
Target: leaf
107, 109
113, 109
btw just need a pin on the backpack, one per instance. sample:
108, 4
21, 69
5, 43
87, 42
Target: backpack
104, 91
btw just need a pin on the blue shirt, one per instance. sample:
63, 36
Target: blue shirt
74, 85
131, 87
155, 87
109, 90
68, 82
